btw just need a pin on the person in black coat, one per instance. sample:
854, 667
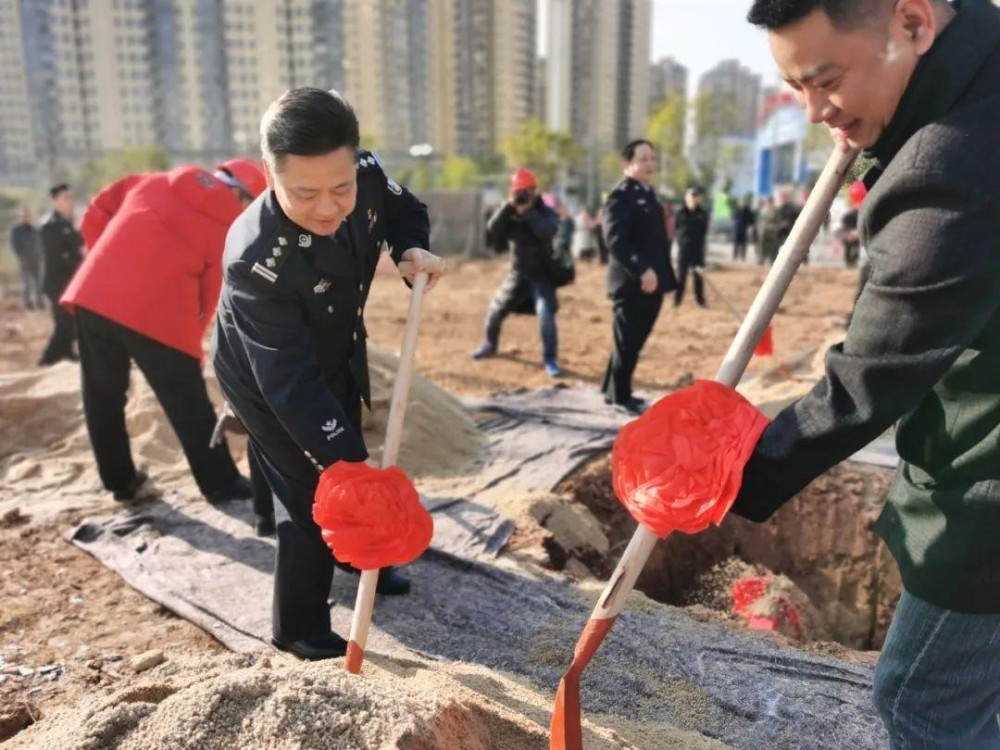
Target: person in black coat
26, 244
915, 84
692, 234
290, 341
639, 272
528, 227
743, 223
62, 246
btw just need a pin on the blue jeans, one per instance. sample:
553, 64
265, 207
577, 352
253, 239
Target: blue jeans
937, 684
508, 300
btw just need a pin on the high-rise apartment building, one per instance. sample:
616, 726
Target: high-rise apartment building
732, 93
82, 77
483, 68
598, 73
667, 78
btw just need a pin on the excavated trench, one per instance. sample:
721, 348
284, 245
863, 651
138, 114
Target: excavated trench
820, 552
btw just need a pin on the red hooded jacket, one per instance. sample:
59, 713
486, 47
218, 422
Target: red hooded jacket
155, 249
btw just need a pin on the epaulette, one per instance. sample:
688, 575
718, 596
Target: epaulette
369, 159
271, 256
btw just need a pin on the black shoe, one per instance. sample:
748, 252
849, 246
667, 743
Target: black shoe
239, 489
133, 487
329, 646
390, 583
264, 525
633, 406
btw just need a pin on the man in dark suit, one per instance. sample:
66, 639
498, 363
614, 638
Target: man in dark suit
639, 272
692, 237
290, 336
915, 83
62, 247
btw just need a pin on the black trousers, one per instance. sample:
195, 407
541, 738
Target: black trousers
633, 317
304, 563
60, 344
107, 350
740, 249
685, 263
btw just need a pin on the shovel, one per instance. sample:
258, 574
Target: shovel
566, 732
365, 602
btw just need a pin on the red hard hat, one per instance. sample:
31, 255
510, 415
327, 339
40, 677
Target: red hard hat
247, 173
523, 179
857, 192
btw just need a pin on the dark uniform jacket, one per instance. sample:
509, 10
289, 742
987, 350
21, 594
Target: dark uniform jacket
24, 240
529, 237
289, 342
692, 229
923, 346
636, 234
62, 246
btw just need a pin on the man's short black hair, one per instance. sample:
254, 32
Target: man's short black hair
628, 152
845, 15
307, 122
56, 190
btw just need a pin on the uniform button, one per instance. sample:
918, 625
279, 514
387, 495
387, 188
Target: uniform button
360, 312
361, 287
308, 455
355, 335
330, 308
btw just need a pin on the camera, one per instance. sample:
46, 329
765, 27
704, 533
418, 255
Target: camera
522, 197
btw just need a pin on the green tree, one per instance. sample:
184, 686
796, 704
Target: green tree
98, 173
458, 172
665, 129
545, 152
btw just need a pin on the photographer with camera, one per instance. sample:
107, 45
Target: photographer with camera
527, 226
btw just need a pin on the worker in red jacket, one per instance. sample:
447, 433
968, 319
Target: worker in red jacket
145, 293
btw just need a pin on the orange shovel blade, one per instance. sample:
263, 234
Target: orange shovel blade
355, 657
565, 731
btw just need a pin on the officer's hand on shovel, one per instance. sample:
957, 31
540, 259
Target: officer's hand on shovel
417, 260
679, 466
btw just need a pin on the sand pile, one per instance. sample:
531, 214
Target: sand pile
271, 702
45, 450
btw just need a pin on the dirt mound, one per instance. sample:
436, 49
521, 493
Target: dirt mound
45, 450
271, 702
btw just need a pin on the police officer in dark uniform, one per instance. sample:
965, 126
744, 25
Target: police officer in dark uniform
639, 273
62, 248
290, 336
692, 236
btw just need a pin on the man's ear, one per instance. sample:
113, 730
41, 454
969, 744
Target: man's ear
919, 22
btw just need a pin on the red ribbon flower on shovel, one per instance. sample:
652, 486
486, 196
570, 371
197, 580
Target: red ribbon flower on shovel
679, 466
371, 518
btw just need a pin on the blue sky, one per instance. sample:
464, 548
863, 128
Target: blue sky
700, 33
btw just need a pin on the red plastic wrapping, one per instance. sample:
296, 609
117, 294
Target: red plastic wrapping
679, 466
371, 518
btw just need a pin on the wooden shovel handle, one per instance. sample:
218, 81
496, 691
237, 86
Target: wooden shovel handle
365, 602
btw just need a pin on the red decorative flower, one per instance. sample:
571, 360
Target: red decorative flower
371, 518
679, 466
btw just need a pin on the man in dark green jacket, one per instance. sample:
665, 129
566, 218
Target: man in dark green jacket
917, 84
